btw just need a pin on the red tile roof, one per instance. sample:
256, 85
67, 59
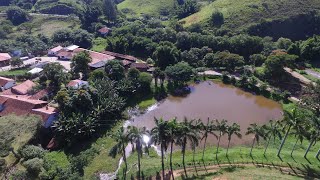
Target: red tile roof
120, 56
19, 105
45, 112
104, 30
39, 95
140, 65
96, 56
56, 49
74, 82
65, 54
4, 81
126, 62
4, 56
23, 88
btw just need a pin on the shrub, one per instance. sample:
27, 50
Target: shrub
217, 18
34, 165
30, 152
19, 175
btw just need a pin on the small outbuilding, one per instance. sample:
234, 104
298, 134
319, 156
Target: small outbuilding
6, 83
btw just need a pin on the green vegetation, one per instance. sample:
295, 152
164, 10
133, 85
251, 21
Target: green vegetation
15, 72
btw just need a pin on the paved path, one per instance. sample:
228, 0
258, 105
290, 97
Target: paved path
313, 73
301, 78
48, 15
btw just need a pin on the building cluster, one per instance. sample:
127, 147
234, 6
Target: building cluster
24, 98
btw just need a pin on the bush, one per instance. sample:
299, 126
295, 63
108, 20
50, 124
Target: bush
225, 78
17, 15
34, 165
30, 152
217, 19
19, 175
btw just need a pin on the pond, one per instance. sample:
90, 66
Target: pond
215, 100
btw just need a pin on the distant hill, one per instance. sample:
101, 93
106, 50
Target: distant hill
242, 14
58, 6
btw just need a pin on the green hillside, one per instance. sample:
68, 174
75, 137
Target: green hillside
243, 13
139, 7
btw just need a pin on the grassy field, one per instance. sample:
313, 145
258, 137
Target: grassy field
140, 7
41, 4
14, 72
242, 13
99, 44
151, 164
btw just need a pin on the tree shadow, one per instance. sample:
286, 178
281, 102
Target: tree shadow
280, 158
227, 156
293, 159
308, 160
292, 169
311, 172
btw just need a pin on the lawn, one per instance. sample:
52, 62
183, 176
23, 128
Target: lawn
151, 164
16, 72
140, 7
243, 13
99, 44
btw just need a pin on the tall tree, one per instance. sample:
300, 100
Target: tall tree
115, 70
135, 135
231, 130
222, 128
173, 129
291, 118
80, 63
272, 130
159, 135
314, 134
185, 133
156, 74
110, 10
207, 129
257, 131
121, 137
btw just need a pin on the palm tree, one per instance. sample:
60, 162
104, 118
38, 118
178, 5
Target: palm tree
196, 126
159, 135
314, 134
156, 74
271, 131
231, 130
291, 118
121, 137
300, 132
172, 127
207, 130
257, 131
185, 133
221, 127
135, 135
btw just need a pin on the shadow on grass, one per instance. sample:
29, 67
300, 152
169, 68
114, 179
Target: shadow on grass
202, 176
310, 172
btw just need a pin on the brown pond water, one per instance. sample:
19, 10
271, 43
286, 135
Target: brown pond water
216, 101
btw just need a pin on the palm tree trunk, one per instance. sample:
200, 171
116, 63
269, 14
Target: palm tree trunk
218, 147
171, 169
254, 140
162, 162
125, 162
139, 164
265, 150
308, 149
318, 154
294, 147
193, 159
228, 147
183, 156
283, 141
204, 147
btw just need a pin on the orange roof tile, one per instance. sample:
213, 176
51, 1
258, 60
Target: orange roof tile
4, 56
4, 81
23, 88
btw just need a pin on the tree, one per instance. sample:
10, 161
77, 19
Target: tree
272, 130
187, 8
159, 135
135, 135
233, 129
275, 63
292, 118
80, 63
133, 76
114, 70
284, 43
172, 134
257, 59
166, 54
217, 19
110, 10
17, 15
156, 75
144, 81
82, 38
257, 131
179, 73
313, 134
207, 130
311, 98
121, 137
222, 128
16, 62
185, 133
226, 60
54, 72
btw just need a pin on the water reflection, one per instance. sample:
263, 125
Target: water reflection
216, 101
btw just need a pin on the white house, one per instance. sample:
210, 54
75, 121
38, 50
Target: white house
6, 83
76, 84
54, 51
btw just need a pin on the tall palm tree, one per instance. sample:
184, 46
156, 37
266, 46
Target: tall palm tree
196, 126
222, 128
156, 74
257, 131
231, 130
272, 130
207, 129
291, 118
185, 133
299, 132
159, 135
172, 134
135, 135
121, 137
314, 134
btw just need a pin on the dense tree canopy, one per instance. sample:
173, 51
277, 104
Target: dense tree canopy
16, 15
80, 64
179, 73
